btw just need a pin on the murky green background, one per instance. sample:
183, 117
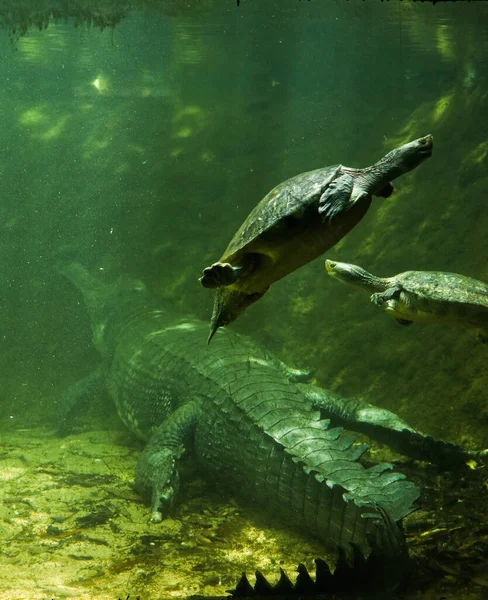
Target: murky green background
142, 148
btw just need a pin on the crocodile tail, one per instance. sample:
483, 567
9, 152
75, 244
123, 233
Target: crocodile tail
359, 578
388, 537
93, 288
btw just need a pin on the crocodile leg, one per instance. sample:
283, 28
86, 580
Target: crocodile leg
388, 428
76, 397
295, 375
157, 477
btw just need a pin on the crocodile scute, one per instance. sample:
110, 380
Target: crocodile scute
251, 428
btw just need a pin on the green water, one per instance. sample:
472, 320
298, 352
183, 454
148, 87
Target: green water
140, 149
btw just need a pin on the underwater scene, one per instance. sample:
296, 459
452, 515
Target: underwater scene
245, 299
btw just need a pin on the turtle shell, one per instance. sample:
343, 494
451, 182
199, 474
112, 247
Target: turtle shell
449, 289
291, 203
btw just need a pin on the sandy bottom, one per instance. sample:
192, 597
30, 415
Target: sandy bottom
72, 527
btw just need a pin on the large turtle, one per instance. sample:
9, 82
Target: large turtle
423, 296
296, 222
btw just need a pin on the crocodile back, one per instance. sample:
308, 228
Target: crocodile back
258, 435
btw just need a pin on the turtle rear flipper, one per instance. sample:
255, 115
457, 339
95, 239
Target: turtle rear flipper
336, 197
220, 275
228, 303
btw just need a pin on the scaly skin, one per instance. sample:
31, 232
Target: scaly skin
254, 430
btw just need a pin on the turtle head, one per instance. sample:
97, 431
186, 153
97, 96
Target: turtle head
344, 272
410, 155
354, 275
377, 178
228, 305
403, 159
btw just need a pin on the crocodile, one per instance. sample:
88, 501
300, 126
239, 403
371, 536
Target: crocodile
251, 424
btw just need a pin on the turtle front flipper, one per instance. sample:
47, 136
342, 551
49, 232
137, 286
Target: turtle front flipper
220, 275
391, 293
336, 197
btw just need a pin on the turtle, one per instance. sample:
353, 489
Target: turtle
296, 222
423, 296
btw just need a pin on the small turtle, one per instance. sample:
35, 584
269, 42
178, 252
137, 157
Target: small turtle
298, 221
423, 296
